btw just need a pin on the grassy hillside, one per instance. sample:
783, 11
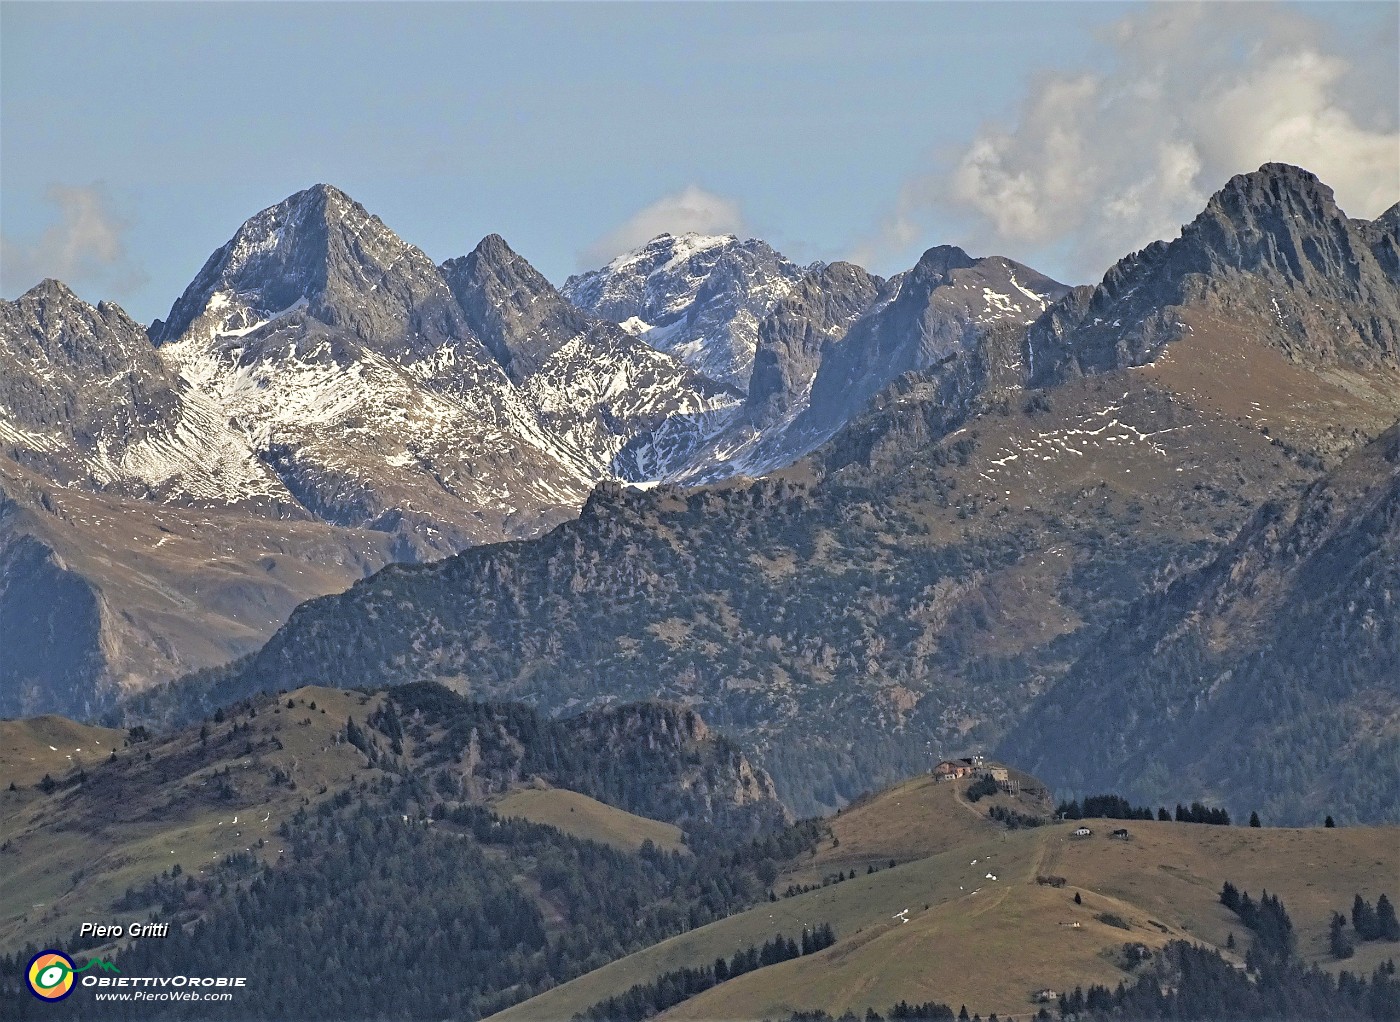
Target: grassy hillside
69, 855
588, 819
991, 943
910, 820
31, 748
242, 782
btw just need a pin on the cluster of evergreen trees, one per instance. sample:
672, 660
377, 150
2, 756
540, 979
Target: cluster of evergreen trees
1197, 983
1274, 939
1116, 807
981, 788
1104, 807
671, 988
1012, 819
1369, 922
375, 884
930, 1011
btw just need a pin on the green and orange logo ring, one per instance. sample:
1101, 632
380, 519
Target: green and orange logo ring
50, 975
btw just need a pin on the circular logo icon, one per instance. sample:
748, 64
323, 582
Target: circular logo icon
50, 975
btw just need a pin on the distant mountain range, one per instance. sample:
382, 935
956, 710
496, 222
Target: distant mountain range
994, 548
321, 381
1098, 528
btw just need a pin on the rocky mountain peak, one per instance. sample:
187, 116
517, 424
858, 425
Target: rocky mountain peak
1279, 220
62, 358
699, 297
937, 264
510, 305
1272, 250
321, 248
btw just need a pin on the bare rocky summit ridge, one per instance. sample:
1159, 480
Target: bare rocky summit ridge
1270, 249
942, 307
321, 247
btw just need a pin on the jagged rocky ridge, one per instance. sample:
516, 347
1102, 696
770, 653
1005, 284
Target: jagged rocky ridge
85, 400
697, 296
827, 341
1273, 252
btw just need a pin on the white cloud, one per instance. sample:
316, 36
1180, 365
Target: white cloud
86, 248
691, 209
1101, 162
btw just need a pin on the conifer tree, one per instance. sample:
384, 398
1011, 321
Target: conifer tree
1387, 926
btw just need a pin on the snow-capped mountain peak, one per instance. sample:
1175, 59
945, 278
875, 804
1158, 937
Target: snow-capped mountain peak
320, 247
699, 297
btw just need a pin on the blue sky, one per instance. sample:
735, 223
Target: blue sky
135, 138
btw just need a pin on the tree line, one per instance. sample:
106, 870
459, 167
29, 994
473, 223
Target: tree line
1116, 807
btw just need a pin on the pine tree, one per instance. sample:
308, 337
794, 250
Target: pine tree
1230, 896
1387, 926
1363, 919
1337, 939
1254, 820
1329, 822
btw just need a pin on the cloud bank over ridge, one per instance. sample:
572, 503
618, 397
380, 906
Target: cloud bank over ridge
1101, 162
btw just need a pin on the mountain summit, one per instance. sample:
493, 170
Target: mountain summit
1271, 249
696, 296
321, 248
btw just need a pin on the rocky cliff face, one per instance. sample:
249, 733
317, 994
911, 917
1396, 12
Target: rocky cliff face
794, 338
653, 758
1272, 252
940, 309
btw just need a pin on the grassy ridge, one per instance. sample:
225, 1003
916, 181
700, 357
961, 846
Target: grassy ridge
70, 854
586, 818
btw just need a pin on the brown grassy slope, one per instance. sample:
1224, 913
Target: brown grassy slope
588, 819
68, 856
51, 745
855, 908
993, 953
991, 943
911, 820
